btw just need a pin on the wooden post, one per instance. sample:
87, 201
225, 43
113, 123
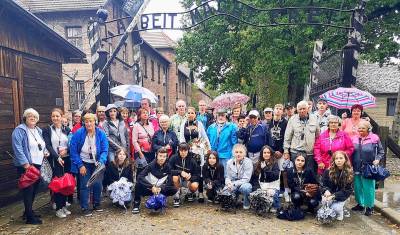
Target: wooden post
383, 132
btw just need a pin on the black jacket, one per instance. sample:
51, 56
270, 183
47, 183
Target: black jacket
112, 174
213, 175
307, 176
53, 158
341, 192
189, 165
161, 139
267, 175
157, 171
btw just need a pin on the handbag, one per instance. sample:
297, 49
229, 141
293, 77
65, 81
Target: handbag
31, 175
311, 189
46, 173
64, 184
145, 146
375, 172
291, 213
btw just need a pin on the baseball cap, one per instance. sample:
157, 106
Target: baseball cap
222, 111
254, 113
268, 109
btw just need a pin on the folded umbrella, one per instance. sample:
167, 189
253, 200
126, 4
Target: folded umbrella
97, 175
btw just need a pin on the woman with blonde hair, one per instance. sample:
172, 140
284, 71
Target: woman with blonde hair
88, 149
368, 150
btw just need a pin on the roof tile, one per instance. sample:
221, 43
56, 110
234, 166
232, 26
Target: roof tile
376, 80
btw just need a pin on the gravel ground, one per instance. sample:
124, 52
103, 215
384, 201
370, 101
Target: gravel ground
192, 219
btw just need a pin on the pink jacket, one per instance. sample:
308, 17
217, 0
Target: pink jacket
342, 141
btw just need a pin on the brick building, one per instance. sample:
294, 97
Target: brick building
159, 71
179, 77
69, 18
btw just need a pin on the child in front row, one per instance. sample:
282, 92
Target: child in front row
266, 175
337, 182
213, 174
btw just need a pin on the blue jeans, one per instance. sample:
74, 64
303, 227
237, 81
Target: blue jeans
245, 189
223, 162
85, 191
276, 202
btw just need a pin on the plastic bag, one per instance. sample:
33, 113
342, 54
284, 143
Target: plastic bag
156, 202
31, 175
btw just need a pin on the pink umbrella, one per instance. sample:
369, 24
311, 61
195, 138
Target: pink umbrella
229, 100
344, 98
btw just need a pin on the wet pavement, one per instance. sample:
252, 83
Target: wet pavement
390, 194
192, 218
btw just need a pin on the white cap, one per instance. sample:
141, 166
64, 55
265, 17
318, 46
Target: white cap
254, 113
268, 110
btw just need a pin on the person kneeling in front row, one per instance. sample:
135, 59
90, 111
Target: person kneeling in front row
156, 178
239, 172
337, 182
184, 169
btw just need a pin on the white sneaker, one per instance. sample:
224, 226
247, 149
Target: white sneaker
286, 196
68, 204
273, 210
66, 211
60, 214
54, 206
246, 207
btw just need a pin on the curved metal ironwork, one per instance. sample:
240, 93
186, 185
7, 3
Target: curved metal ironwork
219, 12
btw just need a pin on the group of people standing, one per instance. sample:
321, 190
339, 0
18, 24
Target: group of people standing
297, 154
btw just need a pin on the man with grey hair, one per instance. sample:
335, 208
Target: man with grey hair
179, 117
301, 132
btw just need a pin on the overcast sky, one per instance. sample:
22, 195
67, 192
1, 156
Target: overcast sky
166, 6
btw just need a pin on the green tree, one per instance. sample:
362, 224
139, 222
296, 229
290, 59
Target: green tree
274, 62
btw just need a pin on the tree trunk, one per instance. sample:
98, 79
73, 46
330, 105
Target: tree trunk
396, 120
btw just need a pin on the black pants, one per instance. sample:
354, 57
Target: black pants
211, 193
141, 191
201, 185
59, 171
29, 193
299, 199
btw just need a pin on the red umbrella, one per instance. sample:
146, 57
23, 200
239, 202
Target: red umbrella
228, 100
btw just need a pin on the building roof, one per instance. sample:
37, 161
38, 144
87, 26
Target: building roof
39, 6
71, 50
158, 40
378, 80
184, 69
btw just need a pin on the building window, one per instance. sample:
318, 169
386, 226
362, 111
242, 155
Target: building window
159, 100
176, 85
152, 70
391, 106
145, 66
74, 35
159, 73
76, 93
165, 76
124, 55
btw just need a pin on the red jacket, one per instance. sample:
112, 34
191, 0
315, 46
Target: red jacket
342, 141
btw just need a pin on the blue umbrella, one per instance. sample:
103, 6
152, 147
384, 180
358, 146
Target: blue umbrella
131, 91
